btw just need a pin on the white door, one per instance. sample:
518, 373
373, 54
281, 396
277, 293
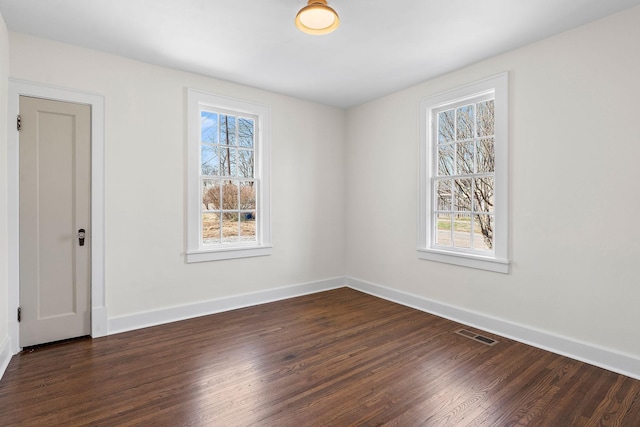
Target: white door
55, 204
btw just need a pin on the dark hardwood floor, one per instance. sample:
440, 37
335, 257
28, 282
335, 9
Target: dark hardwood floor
335, 358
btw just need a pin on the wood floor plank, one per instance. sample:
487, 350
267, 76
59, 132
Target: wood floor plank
618, 400
633, 414
335, 358
460, 389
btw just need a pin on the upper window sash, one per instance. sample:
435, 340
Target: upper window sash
197, 250
496, 260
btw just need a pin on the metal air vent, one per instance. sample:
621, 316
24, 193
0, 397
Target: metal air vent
476, 337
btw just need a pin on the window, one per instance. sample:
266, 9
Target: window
228, 178
463, 176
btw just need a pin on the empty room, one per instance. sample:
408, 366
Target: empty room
319, 213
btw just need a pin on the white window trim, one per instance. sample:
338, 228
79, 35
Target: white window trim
196, 251
499, 260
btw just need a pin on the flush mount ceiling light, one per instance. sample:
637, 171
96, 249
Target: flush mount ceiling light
317, 18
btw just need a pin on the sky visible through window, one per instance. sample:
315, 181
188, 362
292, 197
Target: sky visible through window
227, 159
464, 182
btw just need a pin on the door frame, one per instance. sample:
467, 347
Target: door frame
19, 88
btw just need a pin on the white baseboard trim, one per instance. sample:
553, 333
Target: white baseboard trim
174, 314
5, 355
604, 358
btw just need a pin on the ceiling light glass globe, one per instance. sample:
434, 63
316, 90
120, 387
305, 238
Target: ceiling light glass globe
317, 18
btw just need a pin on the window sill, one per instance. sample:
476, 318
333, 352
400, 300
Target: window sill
465, 260
228, 253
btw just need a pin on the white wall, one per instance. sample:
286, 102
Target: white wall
145, 180
4, 74
574, 174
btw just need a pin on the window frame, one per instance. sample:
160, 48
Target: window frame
498, 260
197, 251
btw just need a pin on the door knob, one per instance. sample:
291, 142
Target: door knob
81, 235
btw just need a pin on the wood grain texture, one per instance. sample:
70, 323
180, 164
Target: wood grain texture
336, 358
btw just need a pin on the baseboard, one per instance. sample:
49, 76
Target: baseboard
604, 358
174, 314
5, 355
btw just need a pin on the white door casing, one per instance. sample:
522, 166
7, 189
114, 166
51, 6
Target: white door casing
98, 295
55, 196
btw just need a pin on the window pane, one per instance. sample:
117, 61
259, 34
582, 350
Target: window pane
465, 122
247, 195
210, 160
483, 194
245, 132
485, 118
446, 126
485, 155
230, 196
227, 130
483, 232
462, 231
445, 160
248, 226
443, 193
464, 158
210, 228
210, 195
228, 159
245, 163
230, 227
443, 230
209, 127
462, 194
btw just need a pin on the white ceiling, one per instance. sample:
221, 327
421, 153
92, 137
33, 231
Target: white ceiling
380, 47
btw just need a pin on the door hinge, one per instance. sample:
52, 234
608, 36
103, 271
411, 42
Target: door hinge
19, 314
19, 122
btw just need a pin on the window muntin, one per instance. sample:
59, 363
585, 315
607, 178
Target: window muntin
463, 203
227, 178
228, 213
463, 182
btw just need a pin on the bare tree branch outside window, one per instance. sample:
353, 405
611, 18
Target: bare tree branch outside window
464, 183
228, 177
